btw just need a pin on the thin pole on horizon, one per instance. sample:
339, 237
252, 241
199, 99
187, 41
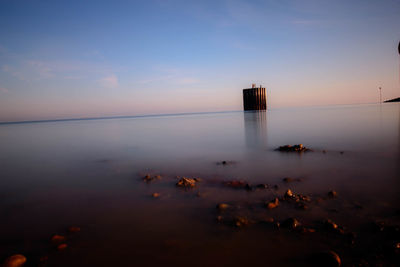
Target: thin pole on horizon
380, 95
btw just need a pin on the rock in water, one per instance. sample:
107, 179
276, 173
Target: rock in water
17, 260
288, 194
273, 204
294, 148
186, 182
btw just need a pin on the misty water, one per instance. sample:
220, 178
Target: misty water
89, 173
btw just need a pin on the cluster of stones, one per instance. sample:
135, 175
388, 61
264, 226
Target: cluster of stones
187, 182
294, 148
59, 241
240, 216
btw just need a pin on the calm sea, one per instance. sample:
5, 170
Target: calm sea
88, 173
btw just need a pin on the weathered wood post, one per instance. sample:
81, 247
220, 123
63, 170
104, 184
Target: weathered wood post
254, 98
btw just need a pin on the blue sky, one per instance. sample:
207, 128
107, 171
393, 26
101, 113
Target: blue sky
61, 59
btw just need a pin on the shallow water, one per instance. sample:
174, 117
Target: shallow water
88, 173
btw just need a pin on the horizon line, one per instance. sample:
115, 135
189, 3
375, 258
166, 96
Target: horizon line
165, 114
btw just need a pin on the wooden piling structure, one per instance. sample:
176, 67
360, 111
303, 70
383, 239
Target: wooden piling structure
254, 98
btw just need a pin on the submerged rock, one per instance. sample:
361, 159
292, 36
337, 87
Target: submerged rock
16, 260
294, 148
186, 182
289, 195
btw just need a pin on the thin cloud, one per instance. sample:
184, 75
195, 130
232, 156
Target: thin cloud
110, 81
3, 90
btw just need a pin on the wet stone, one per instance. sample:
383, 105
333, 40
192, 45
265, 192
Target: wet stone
186, 182
16, 260
155, 195
294, 148
273, 204
289, 194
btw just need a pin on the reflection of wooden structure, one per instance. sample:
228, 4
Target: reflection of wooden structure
254, 98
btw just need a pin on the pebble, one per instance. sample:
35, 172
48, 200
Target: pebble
155, 195
16, 260
289, 193
273, 204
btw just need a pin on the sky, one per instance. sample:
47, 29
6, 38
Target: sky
74, 59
